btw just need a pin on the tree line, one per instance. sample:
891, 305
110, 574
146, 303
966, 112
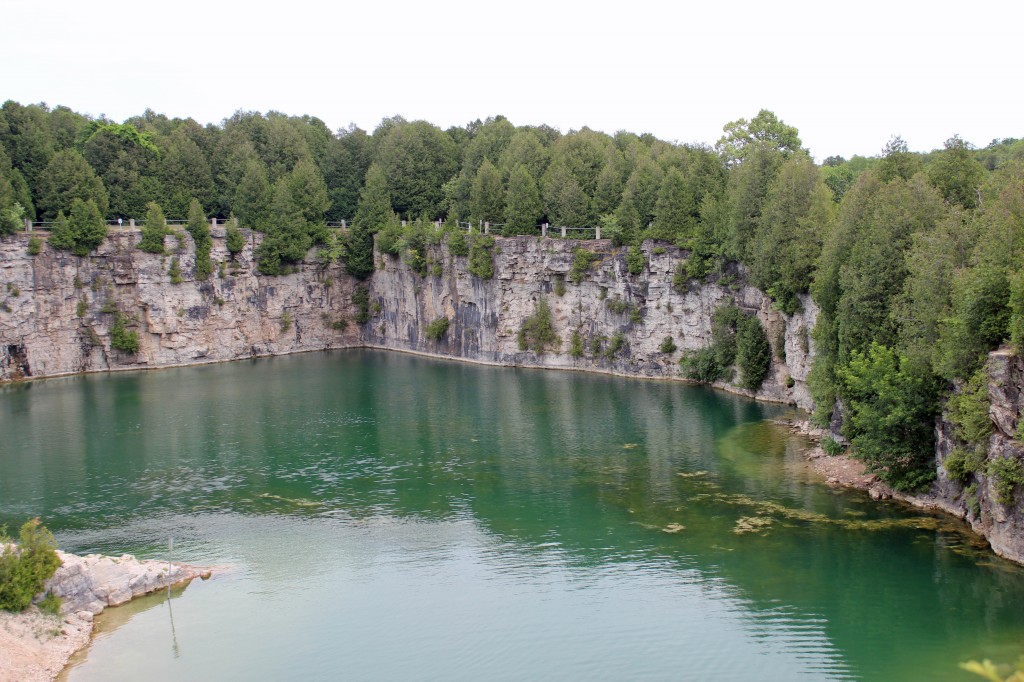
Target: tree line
912, 258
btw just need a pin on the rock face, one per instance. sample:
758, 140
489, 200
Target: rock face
977, 501
487, 315
57, 312
92, 583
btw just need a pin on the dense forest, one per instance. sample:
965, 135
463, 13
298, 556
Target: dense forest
913, 259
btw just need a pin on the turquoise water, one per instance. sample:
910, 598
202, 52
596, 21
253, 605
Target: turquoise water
382, 517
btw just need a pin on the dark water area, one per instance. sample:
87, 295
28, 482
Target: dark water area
383, 516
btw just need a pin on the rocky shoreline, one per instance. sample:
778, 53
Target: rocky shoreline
35, 646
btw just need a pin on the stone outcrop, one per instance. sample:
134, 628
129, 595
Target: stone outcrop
57, 312
976, 500
35, 646
487, 315
93, 582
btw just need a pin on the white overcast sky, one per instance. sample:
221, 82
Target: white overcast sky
848, 75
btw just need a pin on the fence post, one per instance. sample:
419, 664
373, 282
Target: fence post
131, 222
563, 231
487, 228
544, 230
28, 225
213, 221
597, 232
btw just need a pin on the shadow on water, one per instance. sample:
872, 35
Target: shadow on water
113, 618
602, 471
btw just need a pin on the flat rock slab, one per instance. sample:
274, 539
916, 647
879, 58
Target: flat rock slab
34, 646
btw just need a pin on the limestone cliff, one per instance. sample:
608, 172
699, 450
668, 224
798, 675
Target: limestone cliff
976, 500
486, 315
57, 311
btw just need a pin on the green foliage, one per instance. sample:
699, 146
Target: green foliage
1016, 304
413, 246
68, 177
436, 330
357, 252
456, 240
120, 337
154, 227
286, 321
753, 353
559, 286
35, 245
766, 128
538, 330
702, 366
199, 228
668, 346
582, 259
522, 203
615, 344
174, 270
1007, 473
81, 308
635, 260
892, 404
831, 446
24, 568
962, 463
725, 324
487, 196
361, 300
616, 305
980, 320
576, 344
797, 211
50, 604
235, 240
680, 278
968, 409
956, 173
897, 161
481, 255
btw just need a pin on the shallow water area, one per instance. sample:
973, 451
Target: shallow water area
393, 517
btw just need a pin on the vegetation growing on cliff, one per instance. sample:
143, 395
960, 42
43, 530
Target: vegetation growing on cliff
538, 330
917, 253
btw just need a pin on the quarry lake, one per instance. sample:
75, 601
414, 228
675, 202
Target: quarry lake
381, 516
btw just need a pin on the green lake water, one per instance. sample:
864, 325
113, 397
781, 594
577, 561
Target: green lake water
387, 517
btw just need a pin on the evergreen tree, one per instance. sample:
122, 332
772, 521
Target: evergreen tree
956, 173
753, 352
199, 228
87, 225
68, 177
523, 205
565, 202
487, 197
374, 200
154, 227
673, 214
253, 196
